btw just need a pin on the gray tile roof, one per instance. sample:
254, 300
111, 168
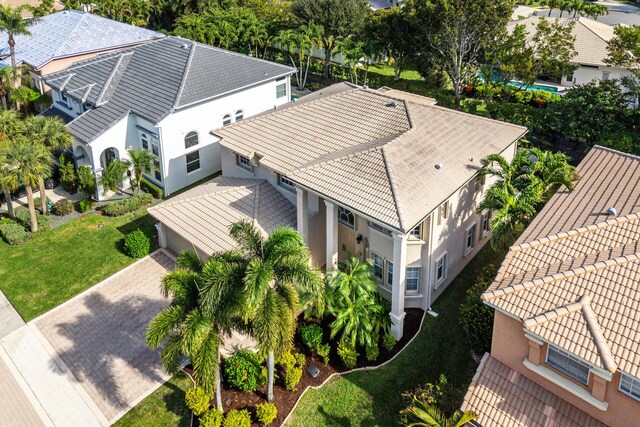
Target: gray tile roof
374, 152
204, 214
153, 79
70, 33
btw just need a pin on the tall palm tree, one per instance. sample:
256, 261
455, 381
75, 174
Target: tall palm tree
8, 123
277, 267
516, 173
419, 414
142, 161
553, 170
12, 22
52, 134
26, 161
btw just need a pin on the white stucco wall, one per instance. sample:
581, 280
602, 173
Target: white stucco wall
584, 74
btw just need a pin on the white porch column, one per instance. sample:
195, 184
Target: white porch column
303, 213
398, 286
332, 235
99, 190
162, 238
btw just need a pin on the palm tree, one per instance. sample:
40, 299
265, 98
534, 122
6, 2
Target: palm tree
142, 161
112, 176
420, 414
276, 268
12, 22
52, 134
553, 170
26, 161
8, 123
353, 302
516, 173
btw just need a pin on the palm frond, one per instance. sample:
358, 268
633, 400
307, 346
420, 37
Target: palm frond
163, 325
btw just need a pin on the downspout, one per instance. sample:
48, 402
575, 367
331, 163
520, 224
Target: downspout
162, 152
430, 259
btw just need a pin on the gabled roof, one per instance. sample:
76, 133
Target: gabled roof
591, 36
153, 79
203, 215
70, 33
375, 152
579, 289
503, 397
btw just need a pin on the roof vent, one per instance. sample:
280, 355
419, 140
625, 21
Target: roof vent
612, 211
185, 46
439, 165
365, 87
391, 104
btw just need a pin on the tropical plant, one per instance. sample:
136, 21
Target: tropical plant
552, 170
311, 335
421, 414
347, 354
86, 181
323, 351
12, 22
142, 161
112, 176
299, 44
266, 413
61, 207
26, 161
277, 269
211, 418
383, 27
68, 175
237, 418
197, 400
242, 370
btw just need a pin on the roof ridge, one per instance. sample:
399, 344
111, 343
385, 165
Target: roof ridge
84, 63
581, 20
202, 196
571, 233
394, 190
622, 153
70, 33
111, 75
555, 313
256, 203
507, 290
185, 74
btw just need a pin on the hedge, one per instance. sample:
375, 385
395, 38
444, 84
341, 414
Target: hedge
124, 206
13, 233
151, 188
23, 218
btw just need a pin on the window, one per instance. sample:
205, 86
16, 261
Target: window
244, 162
390, 274
568, 364
239, 115
64, 98
470, 239
441, 269
378, 266
416, 231
285, 183
193, 161
486, 216
346, 218
156, 171
154, 148
569, 78
281, 89
605, 76
144, 141
443, 212
630, 385
379, 228
226, 120
191, 140
412, 281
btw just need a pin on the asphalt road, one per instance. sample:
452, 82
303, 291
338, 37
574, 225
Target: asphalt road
619, 13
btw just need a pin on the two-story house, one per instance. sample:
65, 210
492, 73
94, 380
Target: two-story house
566, 334
164, 96
379, 174
57, 40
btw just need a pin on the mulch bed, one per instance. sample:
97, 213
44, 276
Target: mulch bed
284, 399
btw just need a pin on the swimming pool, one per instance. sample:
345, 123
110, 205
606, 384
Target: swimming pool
534, 86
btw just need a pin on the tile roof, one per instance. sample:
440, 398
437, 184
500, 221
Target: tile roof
502, 397
380, 147
591, 37
153, 79
204, 214
580, 289
69, 33
26, 13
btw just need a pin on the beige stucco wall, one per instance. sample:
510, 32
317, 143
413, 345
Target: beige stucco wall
178, 244
511, 347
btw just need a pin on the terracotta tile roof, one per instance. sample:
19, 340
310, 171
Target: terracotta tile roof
591, 37
504, 398
579, 289
374, 151
204, 214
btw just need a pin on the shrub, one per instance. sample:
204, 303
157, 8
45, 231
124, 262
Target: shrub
347, 354
311, 335
292, 378
372, 352
68, 177
151, 188
242, 370
292, 365
62, 207
266, 412
131, 204
23, 218
211, 418
236, 418
84, 205
476, 318
13, 233
86, 181
137, 244
197, 400
388, 341
37, 200
323, 351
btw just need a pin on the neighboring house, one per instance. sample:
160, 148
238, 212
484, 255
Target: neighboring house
382, 175
163, 96
566, 333
59, 39
591, 41
26, 13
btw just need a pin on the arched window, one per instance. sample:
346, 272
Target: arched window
226, 120
239, 115
345, 217
191, 139
144, 139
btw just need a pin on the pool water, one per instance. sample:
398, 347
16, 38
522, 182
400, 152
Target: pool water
534, 86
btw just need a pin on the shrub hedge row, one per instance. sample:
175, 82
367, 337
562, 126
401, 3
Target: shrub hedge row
151, 188
124, 206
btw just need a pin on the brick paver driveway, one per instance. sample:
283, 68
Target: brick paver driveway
99, 335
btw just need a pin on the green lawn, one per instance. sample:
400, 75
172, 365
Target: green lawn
163, 407
374, 398
387, 70
59, 264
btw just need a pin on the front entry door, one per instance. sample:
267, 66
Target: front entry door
346, 242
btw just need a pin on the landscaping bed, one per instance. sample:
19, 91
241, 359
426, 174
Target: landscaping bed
284, 399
